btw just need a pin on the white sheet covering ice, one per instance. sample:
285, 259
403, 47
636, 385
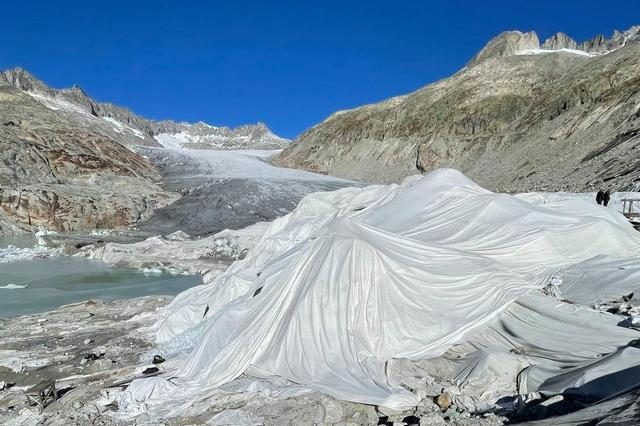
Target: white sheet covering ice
600, 280
357, 277
539, 344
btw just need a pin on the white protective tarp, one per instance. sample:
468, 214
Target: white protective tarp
357, 277
539, 344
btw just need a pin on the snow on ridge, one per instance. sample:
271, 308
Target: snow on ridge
564, 50
57, 104
118, 127
224, 140
208, 126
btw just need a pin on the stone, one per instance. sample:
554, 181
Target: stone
411, 420
443, 401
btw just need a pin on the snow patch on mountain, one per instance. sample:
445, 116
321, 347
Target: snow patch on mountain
120, 127
204, 136
57, 104
548, 51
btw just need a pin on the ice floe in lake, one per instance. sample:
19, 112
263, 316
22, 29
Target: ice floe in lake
12, 286
11, 253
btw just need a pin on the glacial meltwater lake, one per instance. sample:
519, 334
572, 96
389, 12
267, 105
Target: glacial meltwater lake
38, 285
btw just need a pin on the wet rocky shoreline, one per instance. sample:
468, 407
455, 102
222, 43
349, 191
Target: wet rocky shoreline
83, 348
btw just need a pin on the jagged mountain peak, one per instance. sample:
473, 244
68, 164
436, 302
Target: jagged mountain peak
520, 117
76, 89
600, 44
559, 41
203, 135
507, 43
131, 129
510, 43
23, 80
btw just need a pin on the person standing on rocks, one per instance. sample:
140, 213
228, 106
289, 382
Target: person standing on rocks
599, 197
606, 197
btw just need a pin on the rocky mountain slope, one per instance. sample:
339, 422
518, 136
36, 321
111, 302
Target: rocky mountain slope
68, 163
64, 175
520, 116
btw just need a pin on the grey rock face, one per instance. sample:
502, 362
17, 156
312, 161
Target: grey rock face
559, 41
540, 121
507, 44
63, 174
23, 80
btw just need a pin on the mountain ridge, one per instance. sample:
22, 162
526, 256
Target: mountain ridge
248, 136
517, 117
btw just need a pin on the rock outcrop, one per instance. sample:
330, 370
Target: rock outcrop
518, 117
64, 175
507, 44
559, 41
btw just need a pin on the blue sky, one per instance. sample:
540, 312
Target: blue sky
287, 63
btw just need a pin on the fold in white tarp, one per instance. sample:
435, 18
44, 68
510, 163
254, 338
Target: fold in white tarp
354, 278
539, 344
599, 280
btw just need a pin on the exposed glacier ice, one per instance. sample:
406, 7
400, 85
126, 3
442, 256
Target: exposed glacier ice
227, 189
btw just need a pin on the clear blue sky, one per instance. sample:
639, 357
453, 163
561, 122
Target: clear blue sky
287, 63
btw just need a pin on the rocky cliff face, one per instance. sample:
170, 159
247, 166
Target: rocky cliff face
63, 175
559, 41
519, 117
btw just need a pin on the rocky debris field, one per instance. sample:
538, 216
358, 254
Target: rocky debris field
68, 174
83, 348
